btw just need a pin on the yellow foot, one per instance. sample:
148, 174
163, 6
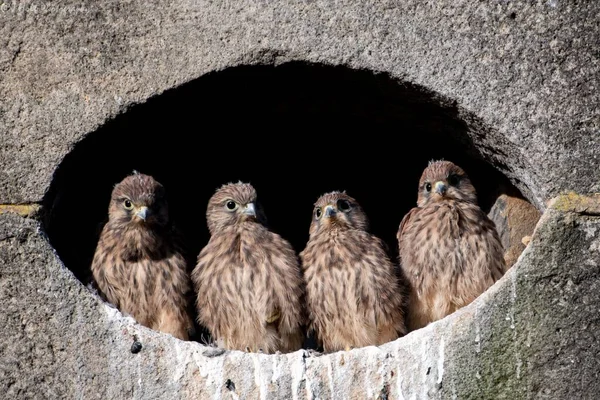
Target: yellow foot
273, 317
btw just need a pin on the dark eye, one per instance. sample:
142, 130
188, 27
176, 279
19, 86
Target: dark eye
231, 205
127, 204
453, 179
343, 205
428, 187
318, 213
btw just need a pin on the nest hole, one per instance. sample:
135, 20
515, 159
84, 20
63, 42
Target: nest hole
295, 131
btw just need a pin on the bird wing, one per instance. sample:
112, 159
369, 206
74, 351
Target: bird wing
405, 220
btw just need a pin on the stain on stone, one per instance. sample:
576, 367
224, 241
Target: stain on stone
136, 347
577, 203
24, 210
385, 392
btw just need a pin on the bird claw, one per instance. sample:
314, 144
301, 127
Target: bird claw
248, 349
348, 348
313, 353
213, 352
274, 317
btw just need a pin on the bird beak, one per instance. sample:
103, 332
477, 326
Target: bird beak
329, 211
142, 213
441, 188
250, 210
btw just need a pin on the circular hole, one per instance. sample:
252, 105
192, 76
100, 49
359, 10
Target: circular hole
294, 131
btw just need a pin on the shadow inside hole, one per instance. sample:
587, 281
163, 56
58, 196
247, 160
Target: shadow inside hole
294, 131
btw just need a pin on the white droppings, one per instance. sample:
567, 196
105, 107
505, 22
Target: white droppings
513, 299
399, 383
139, 372
330, 375
424, 364
477, 338
298, 372
440, 361
212, 370
258, 380
276, 371
368, 362
182, 357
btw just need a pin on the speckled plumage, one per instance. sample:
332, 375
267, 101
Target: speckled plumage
354, 297
450, 251
138, 264
247, 277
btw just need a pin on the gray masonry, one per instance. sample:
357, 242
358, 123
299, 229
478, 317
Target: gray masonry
523, 78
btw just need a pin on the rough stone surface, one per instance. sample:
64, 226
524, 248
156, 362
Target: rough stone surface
515, 221
527, 70
523, 77
532, 335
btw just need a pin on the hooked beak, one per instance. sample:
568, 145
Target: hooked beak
250, 210
329, 211
142, 213
440, 188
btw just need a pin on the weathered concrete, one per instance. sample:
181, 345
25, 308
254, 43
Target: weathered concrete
532, 335
523, 77
528, 71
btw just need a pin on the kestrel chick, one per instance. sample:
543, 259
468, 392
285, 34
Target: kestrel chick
138, 265
248, 279
450, 251
354, 297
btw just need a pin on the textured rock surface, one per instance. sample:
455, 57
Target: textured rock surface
524, 79
515, 221
532, 335
528, 70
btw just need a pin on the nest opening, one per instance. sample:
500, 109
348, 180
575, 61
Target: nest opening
295, 131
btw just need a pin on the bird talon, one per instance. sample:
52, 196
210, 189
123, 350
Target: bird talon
273, 317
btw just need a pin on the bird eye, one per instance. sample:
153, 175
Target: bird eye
453, 179
127, 204
318, 212
231, 205
343, 205
428, 187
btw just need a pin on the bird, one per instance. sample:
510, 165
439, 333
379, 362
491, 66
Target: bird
139, 265
449, 250
247, 277
354, 296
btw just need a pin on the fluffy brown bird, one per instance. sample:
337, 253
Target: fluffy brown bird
354, 297
450, 251
139, 265
248, 278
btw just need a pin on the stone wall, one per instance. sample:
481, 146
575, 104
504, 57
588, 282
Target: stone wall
522, 77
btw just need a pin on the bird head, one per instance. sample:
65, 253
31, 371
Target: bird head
443, 180
337, 210
139, 200
231, 204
